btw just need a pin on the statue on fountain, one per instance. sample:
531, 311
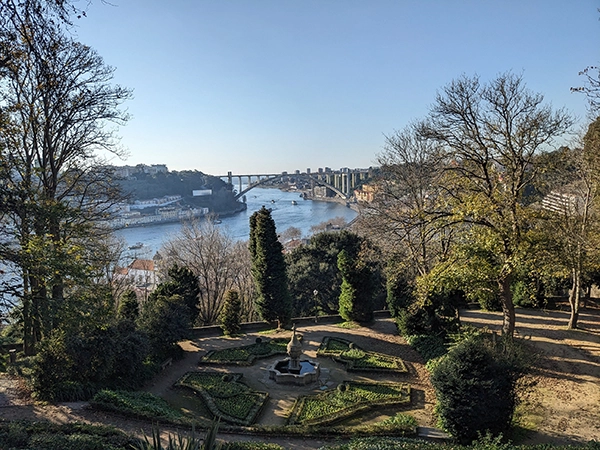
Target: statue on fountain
293, 370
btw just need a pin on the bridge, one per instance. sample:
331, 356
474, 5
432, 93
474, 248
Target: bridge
323, 183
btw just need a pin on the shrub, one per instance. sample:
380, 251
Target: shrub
129, 307
524, 294
429, 347
21, 435
138, 404
356, 296
166, 321
74, 365
475, 389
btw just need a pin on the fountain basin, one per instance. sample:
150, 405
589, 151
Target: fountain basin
304, 372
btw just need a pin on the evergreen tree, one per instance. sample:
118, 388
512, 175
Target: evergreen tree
165, 319
356, 298
230, 315
184, 283
129, 307
268, 269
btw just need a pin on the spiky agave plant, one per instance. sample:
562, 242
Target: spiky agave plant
181, 442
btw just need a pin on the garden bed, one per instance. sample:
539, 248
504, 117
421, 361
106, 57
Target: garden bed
143, 405
357, 359
247, 354
225, 396
349, 399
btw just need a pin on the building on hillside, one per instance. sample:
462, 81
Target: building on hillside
140, 276
562, 202
365, 193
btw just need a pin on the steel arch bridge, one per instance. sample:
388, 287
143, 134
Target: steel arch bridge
341, 182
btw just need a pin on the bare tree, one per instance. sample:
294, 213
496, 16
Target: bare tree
591, 88
215, 258
572, 214
404, 218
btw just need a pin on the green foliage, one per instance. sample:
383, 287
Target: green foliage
250, 446
245, 355
147, 186
484, 443
314, 267
230, 314
268, 269
356, 359
73, 365
399, 421
334, 405
129, 308
178, 442
356, 298
227, 399
138, 404
185, 284
524, 294
429, 346
435, 307
166, 321
399, 293
26, 435
475, 389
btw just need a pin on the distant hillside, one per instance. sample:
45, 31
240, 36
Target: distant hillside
145, 186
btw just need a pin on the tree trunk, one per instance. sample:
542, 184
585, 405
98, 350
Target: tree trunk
508, 309
574, 299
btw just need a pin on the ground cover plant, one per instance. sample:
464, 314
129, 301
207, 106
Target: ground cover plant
143, 405
484, 443
25, 435
357, 359
225, 396
348, 399
245, 355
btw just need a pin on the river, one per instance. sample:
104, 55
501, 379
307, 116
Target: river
303, 215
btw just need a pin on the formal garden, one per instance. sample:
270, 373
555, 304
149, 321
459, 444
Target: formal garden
224, 392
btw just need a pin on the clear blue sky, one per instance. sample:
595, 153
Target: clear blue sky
278, 85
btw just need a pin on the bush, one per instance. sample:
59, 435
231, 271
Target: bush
166, 321
21, 435
475, 389
524, 294
73, 365
429, 347
417, 321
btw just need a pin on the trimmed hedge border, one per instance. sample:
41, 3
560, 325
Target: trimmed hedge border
214, 399
247, 353
142, 405
336, 347
329, 417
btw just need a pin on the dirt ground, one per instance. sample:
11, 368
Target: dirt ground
560, 399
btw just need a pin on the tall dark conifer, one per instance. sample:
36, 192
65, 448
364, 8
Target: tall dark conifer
268, 269
184, 283
356, 296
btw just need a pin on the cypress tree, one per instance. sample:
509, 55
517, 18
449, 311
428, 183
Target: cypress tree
230, 315
268, 269
182, 282
356, 298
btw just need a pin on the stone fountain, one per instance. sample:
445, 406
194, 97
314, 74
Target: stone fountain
293, 370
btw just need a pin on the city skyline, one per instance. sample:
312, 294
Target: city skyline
270, 87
